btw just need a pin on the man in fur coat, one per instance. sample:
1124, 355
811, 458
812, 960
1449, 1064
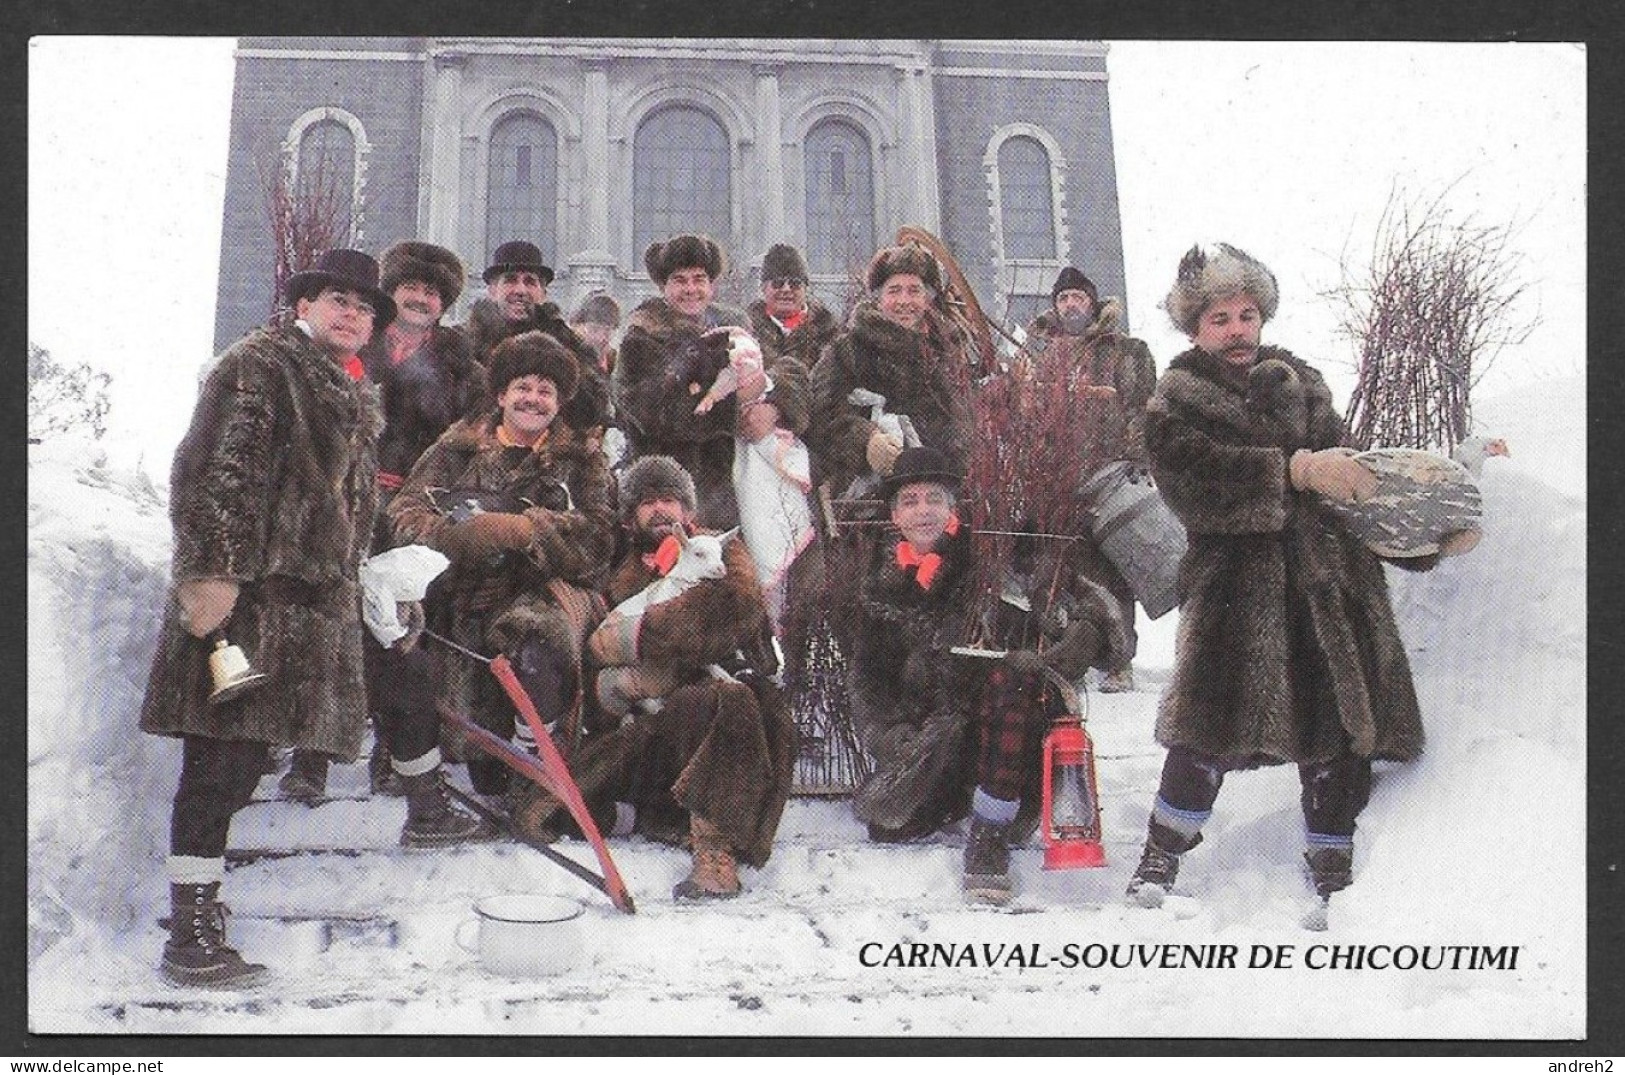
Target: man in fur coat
521, 503
951, 734
427, 377
670, 354
901, 348
786, 320
272, 498
1086, 334
515, 302
1287, 651
718, 750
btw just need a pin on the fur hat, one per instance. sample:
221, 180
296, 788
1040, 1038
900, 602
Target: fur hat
784, 260
348, 269
534, 352
1205, 278
1072, 279
913, 259
518, 255
916, 465
683, 252
654, 477
597, 309
434, 265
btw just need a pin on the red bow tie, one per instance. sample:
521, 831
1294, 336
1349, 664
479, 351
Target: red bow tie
927, 565
664, 558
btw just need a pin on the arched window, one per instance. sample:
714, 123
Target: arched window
681, 178
522, 183
324, 179
1026, 202
840, 198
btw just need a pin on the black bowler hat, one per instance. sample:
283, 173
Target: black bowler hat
518, 256
916, 465
348, 269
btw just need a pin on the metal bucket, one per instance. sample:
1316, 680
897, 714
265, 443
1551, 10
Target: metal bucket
1138, 533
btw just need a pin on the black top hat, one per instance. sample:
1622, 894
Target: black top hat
518, 255
348, 269
920, 465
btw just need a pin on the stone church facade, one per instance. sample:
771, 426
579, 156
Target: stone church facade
592, 148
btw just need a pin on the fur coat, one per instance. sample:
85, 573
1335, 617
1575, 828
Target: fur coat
722, 750
662, 369
548, 590
1103, 355
274, 486
912, 701
423, 395
910, 369
1287, 646
804, 343
589, 408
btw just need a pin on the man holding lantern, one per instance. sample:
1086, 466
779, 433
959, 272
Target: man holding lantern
952, 734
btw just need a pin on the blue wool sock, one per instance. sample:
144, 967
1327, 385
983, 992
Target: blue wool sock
1187, 823
1319, 840
994, 811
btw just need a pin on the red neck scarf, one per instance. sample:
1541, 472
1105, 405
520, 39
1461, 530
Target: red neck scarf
664, 558
793, 321
925, 566
352, 366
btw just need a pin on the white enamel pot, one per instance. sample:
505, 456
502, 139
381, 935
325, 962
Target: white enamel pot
525, 936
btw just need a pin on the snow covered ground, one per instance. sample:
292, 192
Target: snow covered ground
1481, 843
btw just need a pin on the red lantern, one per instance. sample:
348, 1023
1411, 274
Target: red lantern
1071, 818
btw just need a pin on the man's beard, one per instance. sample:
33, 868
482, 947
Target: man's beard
647, 538
1074, 324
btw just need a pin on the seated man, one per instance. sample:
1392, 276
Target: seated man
719, 750
520, 503
950, 734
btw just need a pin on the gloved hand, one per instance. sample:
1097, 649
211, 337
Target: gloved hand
1331, 472
410, 614
487, 534
1458, 542
1024, 663
882, 452
206, 603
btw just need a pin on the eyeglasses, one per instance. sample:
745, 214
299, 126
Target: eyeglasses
786, 281
344, 302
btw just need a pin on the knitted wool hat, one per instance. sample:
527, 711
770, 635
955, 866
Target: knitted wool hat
434, 265
1072, 279
655, 477
683, 252
1205, 278
912, 259
534, 353
783, 260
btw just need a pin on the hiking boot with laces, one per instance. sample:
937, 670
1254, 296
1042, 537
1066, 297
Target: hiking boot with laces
196, 953
714, 874
987, 863
1159, 865
433, 819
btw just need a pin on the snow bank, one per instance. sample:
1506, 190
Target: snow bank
1481, 842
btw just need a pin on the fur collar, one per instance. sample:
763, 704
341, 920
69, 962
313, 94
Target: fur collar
819, 321
1199, 382
480, 435
657, 317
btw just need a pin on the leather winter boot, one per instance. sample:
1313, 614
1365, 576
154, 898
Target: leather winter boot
987, 863
306, 778
1331, 869
1119, 681
1159, 864
381, 775
433, 819
714, 875
196, 953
